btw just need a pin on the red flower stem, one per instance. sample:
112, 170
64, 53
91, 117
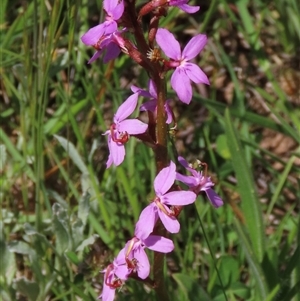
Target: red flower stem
162, 160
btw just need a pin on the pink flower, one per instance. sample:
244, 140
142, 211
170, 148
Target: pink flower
185, 72
182, 4
106, 35
198, 182
151, 105
119, 131
114, 277
159, 208
136, 257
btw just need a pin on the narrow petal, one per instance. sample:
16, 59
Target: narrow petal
126, 108
114, 8
170, 223
180, 82
109, 5
122, 271
117, 152
92, 36
195, 74
120, 259
165, 179
112, 52
188, 8
179, 198
159, 244
183, 162
152, 89
168, 44
132, 126
149, 105
95, 56
108, 294
214, 198
141, 91
169, 113
109, 161
146, 222
194, 46
186, 165
188, 180
143, 263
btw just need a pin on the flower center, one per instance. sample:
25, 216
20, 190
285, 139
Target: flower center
118, 137
114, 282
162, 208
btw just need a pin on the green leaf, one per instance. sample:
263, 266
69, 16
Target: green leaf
87, 242
28, 288
229, 270
237, 289
73, 153
60, 228
20, 247
258, 275
222, 147
250, 204
241, 290
3, 156
8, 264
72, 257
191, 290
77, 231
84, 207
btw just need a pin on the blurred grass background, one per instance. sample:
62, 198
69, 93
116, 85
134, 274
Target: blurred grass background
64, 217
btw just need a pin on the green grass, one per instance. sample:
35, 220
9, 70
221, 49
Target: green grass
64, 216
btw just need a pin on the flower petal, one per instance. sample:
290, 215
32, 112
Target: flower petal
146, 222
170, 223
194, 46
165, 179
109, 161
169, 112
149, 105
179, 198
92, 36
188, 8
143, 263
159, 244
180, 82
126, 108
117, 151
152, 89
132, 126
214, 198
168, 44
95, 56
114, 8
188, 180
112, 52
195, 74
108, 293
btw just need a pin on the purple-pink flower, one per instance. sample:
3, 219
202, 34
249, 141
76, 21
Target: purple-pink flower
119, 131
198, 182
159, 208
182, 4
106, 35
151, 105
185, 72
115, 275
136, 257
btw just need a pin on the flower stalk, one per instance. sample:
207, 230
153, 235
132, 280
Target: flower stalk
160, 217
